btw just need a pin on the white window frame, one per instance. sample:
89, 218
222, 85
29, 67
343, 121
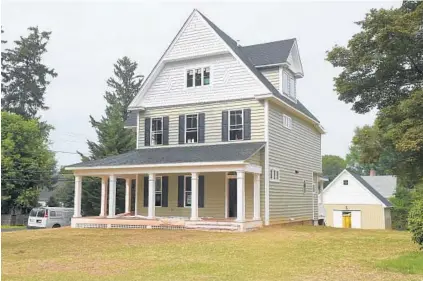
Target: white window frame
288, 85
185, 191
151, 131
160, 192
186, 123
229, 124
287, 121
202, 76
345, 181
275, 174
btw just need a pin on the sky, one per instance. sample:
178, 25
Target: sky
88, 37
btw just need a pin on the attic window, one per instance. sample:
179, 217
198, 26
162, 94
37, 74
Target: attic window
288, 84
345, 182
198, 77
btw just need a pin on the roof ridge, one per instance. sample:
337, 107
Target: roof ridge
265, 43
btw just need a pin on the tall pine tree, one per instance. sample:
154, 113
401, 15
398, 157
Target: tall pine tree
113, 138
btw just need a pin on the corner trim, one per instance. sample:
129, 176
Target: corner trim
266, 165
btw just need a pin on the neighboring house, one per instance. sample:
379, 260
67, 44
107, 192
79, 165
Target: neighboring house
223, 141
353, 201
44, 196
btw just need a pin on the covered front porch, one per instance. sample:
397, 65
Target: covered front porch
219, 195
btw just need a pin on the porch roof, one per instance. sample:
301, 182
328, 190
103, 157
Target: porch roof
225, 152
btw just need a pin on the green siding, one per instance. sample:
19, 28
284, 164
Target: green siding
290, 150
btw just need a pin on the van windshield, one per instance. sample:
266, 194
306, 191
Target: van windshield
41, 213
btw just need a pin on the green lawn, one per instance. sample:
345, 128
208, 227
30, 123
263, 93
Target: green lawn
292, 253
12, 226
409, 263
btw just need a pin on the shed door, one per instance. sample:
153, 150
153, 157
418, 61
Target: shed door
356, 219
337, 218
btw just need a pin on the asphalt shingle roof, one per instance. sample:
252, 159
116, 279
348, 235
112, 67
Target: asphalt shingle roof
224, 152
371, 189
385, 185
239, 51
269, 53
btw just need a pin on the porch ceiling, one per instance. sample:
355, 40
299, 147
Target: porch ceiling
176, 155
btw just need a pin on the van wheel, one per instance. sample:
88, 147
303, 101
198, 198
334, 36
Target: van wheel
56, 226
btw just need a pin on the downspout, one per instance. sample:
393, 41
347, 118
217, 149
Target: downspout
266, 165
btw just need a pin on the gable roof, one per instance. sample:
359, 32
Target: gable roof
269, 53
371, 189
226, 152
385, 185
239, 51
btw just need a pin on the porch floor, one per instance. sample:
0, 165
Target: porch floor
131, 221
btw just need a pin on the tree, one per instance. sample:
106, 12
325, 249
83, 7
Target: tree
27, 164
383, 64
24, 76
332, 166
113, 138
415, 222
52, 202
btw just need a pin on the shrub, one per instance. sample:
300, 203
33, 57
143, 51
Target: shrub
415, 221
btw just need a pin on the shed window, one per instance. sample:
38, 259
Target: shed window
345, 182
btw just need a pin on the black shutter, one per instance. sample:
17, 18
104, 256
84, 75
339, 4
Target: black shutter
166, 130
247, 124
165, 190
201, 192
201, 127
147, 132
180, 191
224, 125
181, 129
145, 191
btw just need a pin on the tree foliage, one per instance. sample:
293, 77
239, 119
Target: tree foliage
332, 166
382, 64
24, 76
27, 164
113, 138
415, 221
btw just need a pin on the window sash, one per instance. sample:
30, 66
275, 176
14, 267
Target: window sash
236, 124
158, 191
189, 130
155, 132
199, 72
187, 191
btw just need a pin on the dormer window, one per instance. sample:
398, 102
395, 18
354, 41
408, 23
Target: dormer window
198, 77
288, 84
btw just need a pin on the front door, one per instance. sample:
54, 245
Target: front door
232, 198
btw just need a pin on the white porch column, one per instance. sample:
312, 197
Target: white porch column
77, 198
194, 196
151, 196
240, 184
128, 182
256, 215
112, 196
103, 206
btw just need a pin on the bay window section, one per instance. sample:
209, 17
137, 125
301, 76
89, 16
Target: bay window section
191, 131
236, 125
157, 131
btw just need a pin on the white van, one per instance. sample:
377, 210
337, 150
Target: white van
49, 217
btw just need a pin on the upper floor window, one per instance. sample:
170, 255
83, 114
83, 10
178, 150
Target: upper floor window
157, 131
287, 121
288, 84
345, 182
236, 125
159, 191
198, 77
191, 128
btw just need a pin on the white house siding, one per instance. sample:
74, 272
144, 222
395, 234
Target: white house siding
229, 80
272, 74
196, 38
214, 197
213, 119
290, 150
353, 193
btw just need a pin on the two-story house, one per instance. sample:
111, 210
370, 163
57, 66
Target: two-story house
223, 141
